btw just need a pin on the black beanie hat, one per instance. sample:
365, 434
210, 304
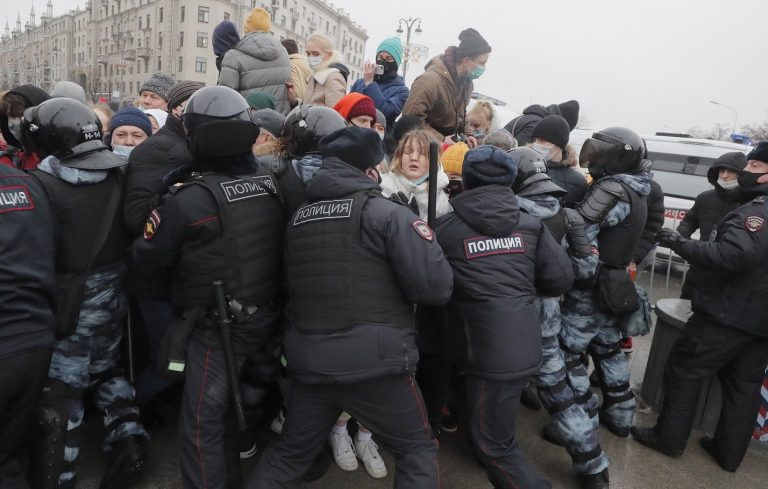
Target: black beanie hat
472, 44
357, 146
488, 165
553, 128
570, 112
759, 153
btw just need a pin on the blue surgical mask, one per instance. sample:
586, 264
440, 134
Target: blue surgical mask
121, 150
476, 73
479, 134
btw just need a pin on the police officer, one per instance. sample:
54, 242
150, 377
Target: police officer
27, 278
615, 211
728, 333
571, 427
502, 259
356, 262
224, 222
83, 182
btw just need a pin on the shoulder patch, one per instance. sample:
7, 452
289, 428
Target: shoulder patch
761, 199
423, 230
754, 223
248, 188
152, 224
481, 246
15, 198
322, 210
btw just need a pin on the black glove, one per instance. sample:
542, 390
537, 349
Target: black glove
670, 239
401, 198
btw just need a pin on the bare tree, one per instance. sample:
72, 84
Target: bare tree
720, 132
584, 121
758, 132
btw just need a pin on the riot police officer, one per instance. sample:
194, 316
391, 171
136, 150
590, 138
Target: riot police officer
615, 211
728, 333
356, 262
224, 222
83, 181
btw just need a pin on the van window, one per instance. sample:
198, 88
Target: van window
689, 165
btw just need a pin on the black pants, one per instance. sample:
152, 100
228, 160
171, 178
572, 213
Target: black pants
739, 359
491, 410
391, 407
21, 382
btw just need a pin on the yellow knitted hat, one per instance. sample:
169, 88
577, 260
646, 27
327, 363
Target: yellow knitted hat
257, 21
453, 158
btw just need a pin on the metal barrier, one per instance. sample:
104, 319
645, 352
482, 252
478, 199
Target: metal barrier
664, 258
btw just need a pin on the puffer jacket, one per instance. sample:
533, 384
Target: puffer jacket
258, 62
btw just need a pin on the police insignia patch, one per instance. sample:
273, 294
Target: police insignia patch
754, 223
150, 227
422, 229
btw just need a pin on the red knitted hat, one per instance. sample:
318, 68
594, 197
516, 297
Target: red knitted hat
354, 104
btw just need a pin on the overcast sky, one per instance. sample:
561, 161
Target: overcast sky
652, 65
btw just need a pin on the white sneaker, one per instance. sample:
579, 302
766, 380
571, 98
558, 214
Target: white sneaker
343, 452
368, 452
277, 424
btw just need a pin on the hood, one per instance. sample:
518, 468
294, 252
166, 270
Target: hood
225, 37
541, 206
338, 179
437, 65
536, 109
639, 182
33, 96
735, 160
491, 209
261, 45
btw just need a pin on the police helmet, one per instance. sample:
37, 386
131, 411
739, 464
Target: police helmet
306, 125
70, 131
532, 178
217, 121
613, 151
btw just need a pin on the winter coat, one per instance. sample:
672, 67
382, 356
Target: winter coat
653, 222
502, 259
439, 98
258, 62
570, 180
326, 86
521, 127
393, 182
388, 93
300, 74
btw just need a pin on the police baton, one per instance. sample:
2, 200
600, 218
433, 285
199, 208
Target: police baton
229, 357
434, 148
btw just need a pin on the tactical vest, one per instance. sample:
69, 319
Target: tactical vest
617, 244
246, 257
334, 281
557, 225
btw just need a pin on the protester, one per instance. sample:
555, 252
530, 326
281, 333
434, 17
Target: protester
327, 85
300, 70
12, 108
357, 109
521, 127
157, 118
153, 94
502, 139
258, 100
387, 89
225, 37
130, 127
104, 113
271, 124
481, 120
68, 89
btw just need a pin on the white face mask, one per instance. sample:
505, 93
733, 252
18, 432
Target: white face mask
121, 150
728, 184
14, 126
315, 61
543, 149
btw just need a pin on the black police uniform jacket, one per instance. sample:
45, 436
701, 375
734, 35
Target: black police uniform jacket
502, 259
732, 288
27, 273
356, 263
224, 225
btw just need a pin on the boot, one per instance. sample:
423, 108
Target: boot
594, 481
127, 460
649, 438
708, 444
619, 431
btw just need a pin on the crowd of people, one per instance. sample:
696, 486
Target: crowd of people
288, 238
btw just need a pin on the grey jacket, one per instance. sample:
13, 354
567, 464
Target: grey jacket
258, 62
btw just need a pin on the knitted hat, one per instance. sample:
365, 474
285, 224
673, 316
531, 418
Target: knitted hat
159, 83
355, 104
453, 158
257, 21
356, 146
68, 89
394, 47
554, 129
381, 119
406, 123
759, 153
131, 116
486, 165
269, 120
472, 44
260, 100
570, 112
181, 92
224, 38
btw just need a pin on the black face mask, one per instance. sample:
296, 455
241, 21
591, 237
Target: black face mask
749, 179
389, 66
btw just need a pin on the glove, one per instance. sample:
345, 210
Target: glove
401, 198
670, 239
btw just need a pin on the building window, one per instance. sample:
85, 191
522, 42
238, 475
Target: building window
147, 21
181, 64
159, 63
201, 65
202, 39
160, 21
282, 21
327, 27
146, 65
183, 11
202, 14
160, 40
226, 15
181, 40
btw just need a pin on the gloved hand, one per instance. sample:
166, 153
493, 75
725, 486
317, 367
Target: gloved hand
401, 198
670, 239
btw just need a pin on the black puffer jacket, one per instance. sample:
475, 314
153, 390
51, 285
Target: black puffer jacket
571, 181
653, 222
502, 259
521, 127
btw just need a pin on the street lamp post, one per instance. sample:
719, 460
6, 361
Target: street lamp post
735, 114
409, 22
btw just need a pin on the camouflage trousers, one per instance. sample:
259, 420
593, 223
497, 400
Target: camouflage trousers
559, 398
586, 327
88, 359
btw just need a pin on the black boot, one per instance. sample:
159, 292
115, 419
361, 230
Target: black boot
530, 398
594, 481
619, 431
127, 460
649, 438
552, 435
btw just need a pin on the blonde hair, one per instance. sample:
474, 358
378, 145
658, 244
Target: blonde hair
484, 108
420, 137
322, 42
